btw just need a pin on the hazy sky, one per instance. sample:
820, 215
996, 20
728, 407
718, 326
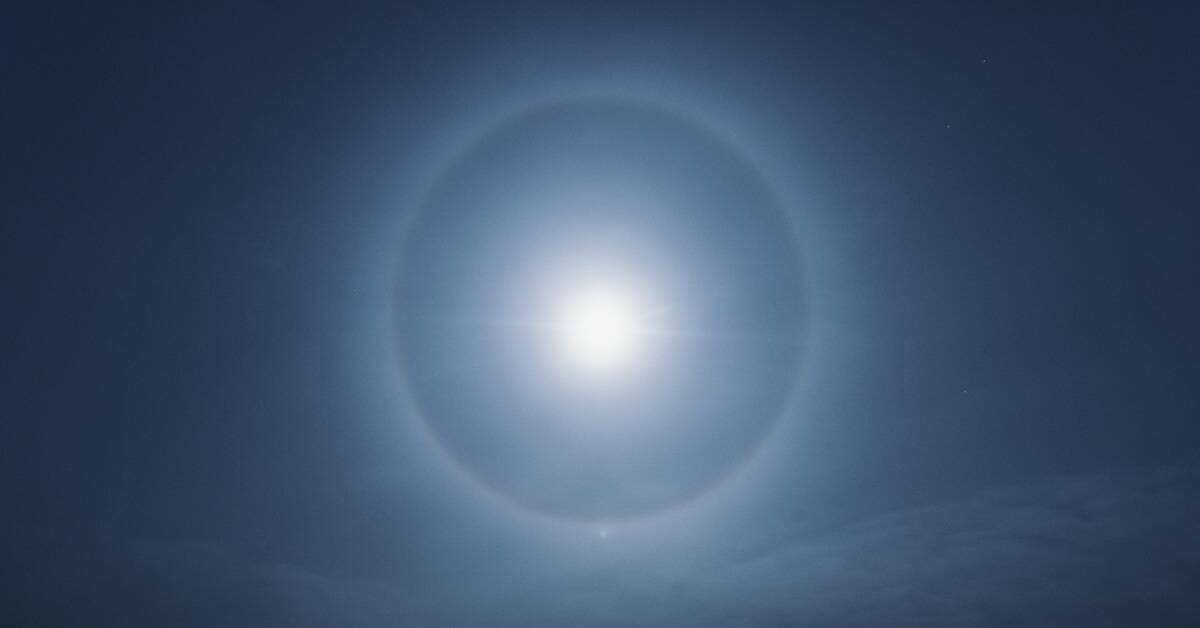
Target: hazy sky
917, 290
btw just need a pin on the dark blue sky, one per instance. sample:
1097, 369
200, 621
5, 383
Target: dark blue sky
209, 246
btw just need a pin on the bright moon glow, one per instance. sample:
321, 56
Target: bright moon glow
571, 353
599, 329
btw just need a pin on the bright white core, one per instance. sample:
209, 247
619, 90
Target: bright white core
599, 329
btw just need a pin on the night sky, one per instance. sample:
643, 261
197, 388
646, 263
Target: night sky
915, 288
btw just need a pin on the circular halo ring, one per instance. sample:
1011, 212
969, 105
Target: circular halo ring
412, 405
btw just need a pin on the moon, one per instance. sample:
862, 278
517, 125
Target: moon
599, 329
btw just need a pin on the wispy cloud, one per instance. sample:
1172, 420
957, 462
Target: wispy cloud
1099, 550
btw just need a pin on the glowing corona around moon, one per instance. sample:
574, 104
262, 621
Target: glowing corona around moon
638, 256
